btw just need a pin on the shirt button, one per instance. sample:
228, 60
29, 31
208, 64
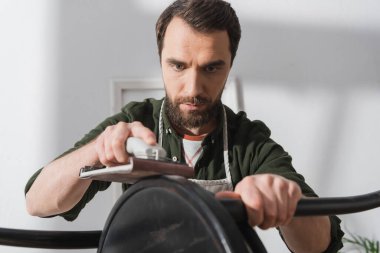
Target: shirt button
174, 158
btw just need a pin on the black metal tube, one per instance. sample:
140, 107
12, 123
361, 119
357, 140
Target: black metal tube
316, 206
49, 239
338, 205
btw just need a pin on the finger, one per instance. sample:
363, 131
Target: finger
99, 147
270, 208
255, 211
295, 194
118, 149
117, 142
264, 189
253, 202
139, 130
107, 140
281, 190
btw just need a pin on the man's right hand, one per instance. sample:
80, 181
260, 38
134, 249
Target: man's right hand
58, 188
110, 145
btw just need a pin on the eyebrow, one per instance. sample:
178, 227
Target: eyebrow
175, 61
217, 63
213, 63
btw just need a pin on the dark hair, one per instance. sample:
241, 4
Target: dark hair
203, 16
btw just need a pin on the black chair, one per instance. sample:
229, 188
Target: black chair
172, 214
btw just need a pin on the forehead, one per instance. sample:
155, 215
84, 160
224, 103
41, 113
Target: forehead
182, 41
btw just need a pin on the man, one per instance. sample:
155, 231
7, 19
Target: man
231, 155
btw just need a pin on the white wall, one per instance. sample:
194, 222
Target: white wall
309, 70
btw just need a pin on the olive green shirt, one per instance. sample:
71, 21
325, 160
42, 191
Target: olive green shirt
251, 151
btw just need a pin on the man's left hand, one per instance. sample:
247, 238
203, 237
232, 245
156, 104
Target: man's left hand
270, 200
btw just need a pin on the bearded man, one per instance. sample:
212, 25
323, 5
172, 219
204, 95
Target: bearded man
231, 155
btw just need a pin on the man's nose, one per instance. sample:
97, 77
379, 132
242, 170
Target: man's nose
194, 84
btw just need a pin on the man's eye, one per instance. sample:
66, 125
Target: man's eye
178, 67
210, 69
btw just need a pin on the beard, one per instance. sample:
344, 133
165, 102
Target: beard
194, 118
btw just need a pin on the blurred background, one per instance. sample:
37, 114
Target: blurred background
309, 69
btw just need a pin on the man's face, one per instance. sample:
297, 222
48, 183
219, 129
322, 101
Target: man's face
195, 68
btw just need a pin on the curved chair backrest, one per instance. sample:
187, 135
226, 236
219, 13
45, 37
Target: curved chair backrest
169, 214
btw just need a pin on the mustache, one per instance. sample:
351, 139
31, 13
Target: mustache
197, 100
